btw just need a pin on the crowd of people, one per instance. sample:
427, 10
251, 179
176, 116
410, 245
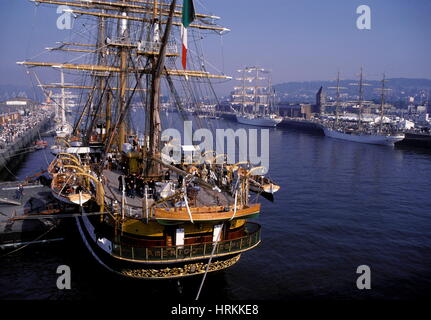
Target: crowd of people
135, 185
13, 130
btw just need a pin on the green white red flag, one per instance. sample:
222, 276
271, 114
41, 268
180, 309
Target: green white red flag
188, 15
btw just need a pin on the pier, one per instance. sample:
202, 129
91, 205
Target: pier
26, 210
288, 122
17, 136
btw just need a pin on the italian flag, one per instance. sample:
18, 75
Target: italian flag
188, 17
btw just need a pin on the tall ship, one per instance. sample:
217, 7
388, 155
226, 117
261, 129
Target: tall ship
255, 96
62, 103
145, 212
380, 134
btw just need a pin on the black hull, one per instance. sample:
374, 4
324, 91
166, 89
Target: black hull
416, 140
149, 271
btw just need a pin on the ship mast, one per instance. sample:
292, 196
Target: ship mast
106, 97
338, 99
100, 84
361, 98
123, 35
124, 47
243, 92
255, 92
270, 96
152, 168
382, 103
63, 101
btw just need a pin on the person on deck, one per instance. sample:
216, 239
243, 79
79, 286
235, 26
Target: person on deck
139, 184
120, 183
20, 192
127, 185
152, 188
133, 186
110, 162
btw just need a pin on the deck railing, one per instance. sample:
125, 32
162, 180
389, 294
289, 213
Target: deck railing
193, 251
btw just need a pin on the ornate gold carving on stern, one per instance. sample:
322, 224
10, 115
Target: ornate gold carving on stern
185, 271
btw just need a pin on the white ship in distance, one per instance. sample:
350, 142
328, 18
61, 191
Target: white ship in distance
255, 97
381, 135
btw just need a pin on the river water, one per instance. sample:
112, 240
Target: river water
341, 205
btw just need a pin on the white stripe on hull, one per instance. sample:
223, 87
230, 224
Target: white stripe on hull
84, 239
103, 243
262, 122
364, 138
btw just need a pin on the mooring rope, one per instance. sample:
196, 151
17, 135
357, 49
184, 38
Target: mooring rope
24, 246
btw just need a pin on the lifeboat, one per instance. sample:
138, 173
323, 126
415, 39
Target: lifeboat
69, 188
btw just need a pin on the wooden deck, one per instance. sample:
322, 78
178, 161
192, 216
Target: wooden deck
204, 198
112, 192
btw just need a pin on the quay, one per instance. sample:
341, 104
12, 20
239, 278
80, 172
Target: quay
26, 215
16, 136
288, 122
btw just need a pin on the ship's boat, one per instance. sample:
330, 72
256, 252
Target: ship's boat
68, 188
64, 162
261, 184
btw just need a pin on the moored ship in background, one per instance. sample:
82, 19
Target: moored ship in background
255, 93
417, 138
380, 134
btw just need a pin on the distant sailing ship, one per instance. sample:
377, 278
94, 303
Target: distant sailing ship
148, 217
62, 128
359, 132
256, 93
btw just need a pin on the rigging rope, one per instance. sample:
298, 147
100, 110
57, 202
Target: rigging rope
208, 265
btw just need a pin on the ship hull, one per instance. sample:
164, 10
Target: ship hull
387, 140
261, 121
103, 251
416, 140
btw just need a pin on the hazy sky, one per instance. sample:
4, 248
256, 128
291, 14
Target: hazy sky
298, 40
